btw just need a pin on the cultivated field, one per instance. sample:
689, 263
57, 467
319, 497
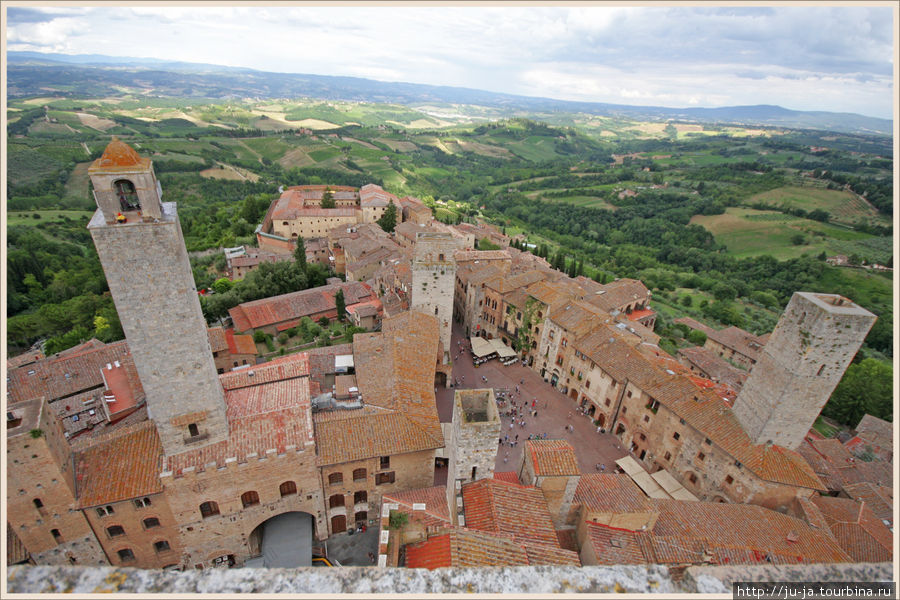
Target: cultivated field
843, 206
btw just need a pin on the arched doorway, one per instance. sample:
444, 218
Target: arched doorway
573, 394
440, 379
601, 418
283, 541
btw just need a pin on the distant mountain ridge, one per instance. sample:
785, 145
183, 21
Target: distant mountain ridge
34, 73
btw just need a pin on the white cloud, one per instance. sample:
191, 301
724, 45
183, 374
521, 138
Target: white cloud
823, 58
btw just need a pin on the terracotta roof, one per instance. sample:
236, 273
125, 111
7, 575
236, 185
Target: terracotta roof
119, 156
240, 344
876, 431
552, 457
395, 373
268, 411
119, 468
837, 467
640, 314
614, 546
498, 507
738, 340
435, 514
857, 529
24, 359
604, 492
123, 385
462, 256
878, 498
217, 342
65, 374
465, 548
314, 301
694, 324
716, 367
617, 294
507, 476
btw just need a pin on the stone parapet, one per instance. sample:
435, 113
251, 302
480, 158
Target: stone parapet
25, 579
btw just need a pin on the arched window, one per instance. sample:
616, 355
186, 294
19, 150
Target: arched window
126, 555
249, 499
360, 496
336, 501
151, 522
288, 488
209, 509
161, 546
115, 530
359, 474
127, 195
335, 478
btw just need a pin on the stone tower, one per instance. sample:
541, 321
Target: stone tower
799, 367
475, 430
140, 244
434, 281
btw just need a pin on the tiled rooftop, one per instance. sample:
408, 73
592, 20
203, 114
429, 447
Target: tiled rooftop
498, 507
552, 457
857, 529
738, 340
268, 311
120, 467
435, 514
878, 498
394, 373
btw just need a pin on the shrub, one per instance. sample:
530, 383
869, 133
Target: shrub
697, 337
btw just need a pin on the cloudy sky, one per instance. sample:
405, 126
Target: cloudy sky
805, 58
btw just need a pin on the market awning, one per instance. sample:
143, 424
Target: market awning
674, 489
481, 347
642, 478
502, 349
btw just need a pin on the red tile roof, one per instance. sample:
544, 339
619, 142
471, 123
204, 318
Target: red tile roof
857, 529
507, 476
239, 344
217, 342
878, 498
498, 507
465, 548
396, 382
315, 301
436, 512
552, 457
122, 386
614, 546
119, 156
121, 467
64, 374
602, 492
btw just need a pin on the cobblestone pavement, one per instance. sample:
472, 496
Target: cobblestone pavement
554, 410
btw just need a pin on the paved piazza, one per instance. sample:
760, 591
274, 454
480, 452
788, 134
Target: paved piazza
555, 410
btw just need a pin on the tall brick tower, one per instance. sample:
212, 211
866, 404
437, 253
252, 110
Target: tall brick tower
799, 367
434, 280
140, 244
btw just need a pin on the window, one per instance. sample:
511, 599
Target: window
692, 478
360, 496
737, 463
288, 488
161, 546
565, 342
38, 504
382, 478
128, 198
115, 530
701, 456
607, 402
668, 456
209, 509
384, 462
708, 442
142, 502
729, 479
109, 510
359, 474
646, 419
335, 478
681, 421
628, 394
102, 512
624, 410
151, 522
126, 555
676, 436
56, 535
559, 360
587, 384
336, 501
193, 430
643, 437
550, 335
249, 499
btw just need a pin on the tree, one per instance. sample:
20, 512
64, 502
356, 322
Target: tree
328, 198
300, 253
389, 219
797, 239
723, 291
340, 305
696, 337
222, 285
866, 388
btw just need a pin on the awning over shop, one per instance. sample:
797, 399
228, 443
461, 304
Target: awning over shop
674, 489
481, 347
659, 485
502, 349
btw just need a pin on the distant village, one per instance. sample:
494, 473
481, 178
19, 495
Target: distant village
575, 440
